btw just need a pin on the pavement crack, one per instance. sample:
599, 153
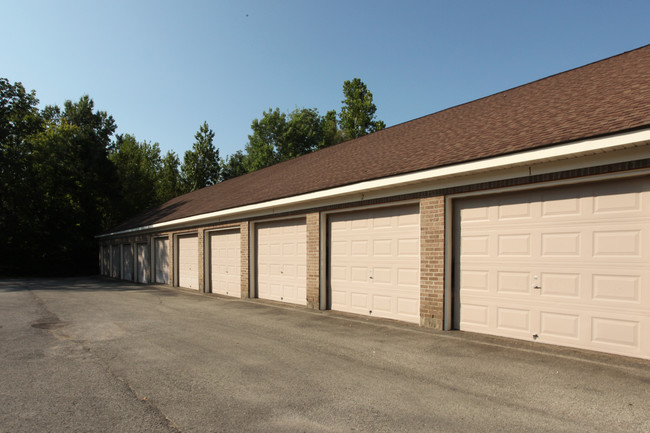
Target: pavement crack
127, 385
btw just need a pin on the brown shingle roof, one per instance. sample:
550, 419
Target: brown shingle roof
605, 97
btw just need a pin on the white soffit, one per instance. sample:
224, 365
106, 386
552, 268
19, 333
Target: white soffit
571, 150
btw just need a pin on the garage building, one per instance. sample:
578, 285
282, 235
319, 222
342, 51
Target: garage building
525, 214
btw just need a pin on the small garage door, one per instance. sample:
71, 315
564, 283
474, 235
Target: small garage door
375, 262
106, 260
188, 262
225, 263
282, 261
116, 262
567, 266
161, 260
142, 263
127, 262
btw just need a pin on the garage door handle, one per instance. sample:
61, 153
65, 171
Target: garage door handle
537, 287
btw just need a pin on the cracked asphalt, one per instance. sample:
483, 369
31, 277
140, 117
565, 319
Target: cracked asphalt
97, 355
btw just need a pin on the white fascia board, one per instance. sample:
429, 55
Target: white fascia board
564, 151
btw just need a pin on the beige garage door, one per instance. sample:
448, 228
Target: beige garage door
375, 262
188, 262
161, 260
142, 263
116, 263
106, 260
282, 261
568, 266
127, 262
225, 263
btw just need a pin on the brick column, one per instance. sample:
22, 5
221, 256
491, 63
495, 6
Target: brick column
201, 247
432, 261
172, 258
243, 230
313, 260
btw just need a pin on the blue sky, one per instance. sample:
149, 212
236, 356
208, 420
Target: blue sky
161, 68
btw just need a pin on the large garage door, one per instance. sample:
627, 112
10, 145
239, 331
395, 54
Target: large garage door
568, 266
282, 261
127, 262
225, 263
115, 261
142, 263
375, 262
188, 262
161, 260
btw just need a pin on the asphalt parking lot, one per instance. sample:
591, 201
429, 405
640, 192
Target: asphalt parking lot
96, 355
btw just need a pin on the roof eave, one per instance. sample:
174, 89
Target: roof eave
552, 153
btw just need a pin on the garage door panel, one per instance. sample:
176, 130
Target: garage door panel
188, 262
225, 262
115, 261
517, 283
474, 314
282, 261
514, 319
615, 332
617, 287
617, 243
474, 280
624, 203
560, 325
562, 285
142, 263
374, 262
127, 262
408, 307
576, 258
161, 260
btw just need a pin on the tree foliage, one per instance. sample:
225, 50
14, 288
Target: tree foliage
357, 117
169, 181
138, 166
57, 182
200, 166
278, 136
233, 165
65, 176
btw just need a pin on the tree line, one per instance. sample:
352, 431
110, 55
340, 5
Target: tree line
65, 176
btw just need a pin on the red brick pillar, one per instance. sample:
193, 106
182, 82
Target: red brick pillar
432, 261
313, 260
243, 231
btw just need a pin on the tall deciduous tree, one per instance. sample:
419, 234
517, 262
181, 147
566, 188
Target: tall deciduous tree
138, 167
19, 121
357, 117
331, 134
233, 165
200, 166
169, 181
278, 136
57, 183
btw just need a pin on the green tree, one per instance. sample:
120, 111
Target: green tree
233, 166
58, 184
19, 121
279, 137
268, 133
200, 166
169, 181
331, 134
138, 167
357, 117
